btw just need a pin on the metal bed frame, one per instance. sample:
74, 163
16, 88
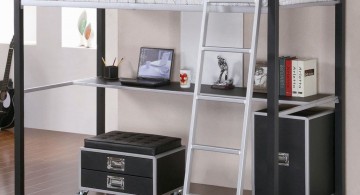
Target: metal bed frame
272, 95
166, 7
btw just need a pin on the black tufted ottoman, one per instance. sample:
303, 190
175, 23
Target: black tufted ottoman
132, 163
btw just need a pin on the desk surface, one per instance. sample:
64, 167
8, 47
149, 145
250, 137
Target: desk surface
174, 88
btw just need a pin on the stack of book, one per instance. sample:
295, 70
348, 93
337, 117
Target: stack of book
298, 77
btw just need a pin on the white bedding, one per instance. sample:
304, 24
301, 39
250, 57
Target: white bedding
187, 2
200, 2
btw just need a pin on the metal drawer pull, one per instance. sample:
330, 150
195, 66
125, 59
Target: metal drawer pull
115, 182
116, 164
284, 159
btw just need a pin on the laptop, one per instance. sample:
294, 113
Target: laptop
154, 68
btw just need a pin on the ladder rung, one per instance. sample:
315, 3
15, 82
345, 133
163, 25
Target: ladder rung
216, 149
227, 49
232, 1
221, 99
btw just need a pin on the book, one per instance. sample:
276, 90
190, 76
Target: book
288, 76
294, 78
282, 90
307, 78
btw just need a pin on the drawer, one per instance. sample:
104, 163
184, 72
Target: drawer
117, 164
116, 182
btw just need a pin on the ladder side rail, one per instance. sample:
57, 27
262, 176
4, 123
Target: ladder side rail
193, 123
249, 95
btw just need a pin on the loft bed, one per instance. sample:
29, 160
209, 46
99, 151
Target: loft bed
172, 5
272, 98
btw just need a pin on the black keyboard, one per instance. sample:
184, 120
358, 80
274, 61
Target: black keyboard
143, 82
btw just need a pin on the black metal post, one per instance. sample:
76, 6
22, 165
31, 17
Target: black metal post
340, 28
100, 92
19, 98
273, 99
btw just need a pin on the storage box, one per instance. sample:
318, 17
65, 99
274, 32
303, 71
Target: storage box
306, 158
132, 163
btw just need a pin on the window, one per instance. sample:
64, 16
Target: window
71, 36
7, 22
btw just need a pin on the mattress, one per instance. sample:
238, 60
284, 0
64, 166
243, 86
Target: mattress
200, 2
187, 2
172, 5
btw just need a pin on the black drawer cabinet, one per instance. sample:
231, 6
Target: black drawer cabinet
306, 158
127, 173
132, 163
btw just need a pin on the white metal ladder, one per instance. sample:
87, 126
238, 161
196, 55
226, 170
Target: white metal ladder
247, 101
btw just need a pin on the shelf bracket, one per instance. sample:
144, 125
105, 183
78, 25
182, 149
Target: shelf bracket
46, 87
322, 101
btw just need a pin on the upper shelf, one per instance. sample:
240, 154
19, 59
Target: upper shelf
174, 88
171, 5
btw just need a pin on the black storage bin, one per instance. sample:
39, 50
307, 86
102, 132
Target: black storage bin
132, 163
306, 152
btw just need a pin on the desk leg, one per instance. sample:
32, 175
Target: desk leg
19, 98
100, 92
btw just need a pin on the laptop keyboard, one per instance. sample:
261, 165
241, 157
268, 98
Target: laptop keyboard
146, 81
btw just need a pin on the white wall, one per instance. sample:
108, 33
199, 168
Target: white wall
147, 29
69, 109
7, 25
352, 97
224, 30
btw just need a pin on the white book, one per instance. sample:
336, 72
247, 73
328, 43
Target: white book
294, 78
307, 79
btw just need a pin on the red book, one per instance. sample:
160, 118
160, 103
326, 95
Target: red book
288, 76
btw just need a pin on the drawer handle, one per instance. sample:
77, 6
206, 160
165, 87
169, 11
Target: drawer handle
284, 159
117, 183
116, 164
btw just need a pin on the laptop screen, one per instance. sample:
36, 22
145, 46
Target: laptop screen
155, 63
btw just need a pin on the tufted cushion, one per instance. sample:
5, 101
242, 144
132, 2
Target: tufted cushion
129, 142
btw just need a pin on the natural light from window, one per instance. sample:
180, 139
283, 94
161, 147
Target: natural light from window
78, 27
7, 23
